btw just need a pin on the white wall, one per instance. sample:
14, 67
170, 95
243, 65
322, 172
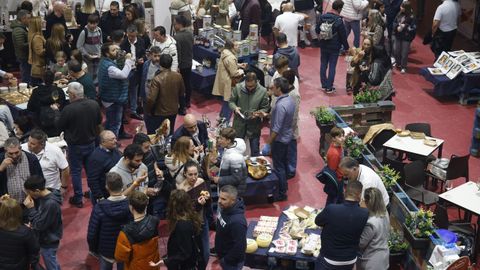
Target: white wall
162, 13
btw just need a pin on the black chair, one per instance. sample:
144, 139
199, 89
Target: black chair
457, 167
397, 166
419, 127
376, 144
414, 181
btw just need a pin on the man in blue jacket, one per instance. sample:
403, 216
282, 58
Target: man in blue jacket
342, 227
106, 221
102, 159
290, 52
113, 85
42, 206
332, 36
230, 239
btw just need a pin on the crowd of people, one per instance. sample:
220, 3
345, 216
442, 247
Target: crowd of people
115, 72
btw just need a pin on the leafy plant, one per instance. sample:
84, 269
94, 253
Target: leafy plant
389, 176
323, 115
396, 242
354, 145
367, 94
420, 223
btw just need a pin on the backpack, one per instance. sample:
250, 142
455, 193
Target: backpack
326, 30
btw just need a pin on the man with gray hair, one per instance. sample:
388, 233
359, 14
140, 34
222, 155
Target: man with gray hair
20, 43
79, 120
52, 160
15, 167
136, 47
102, 159
365, 175
230, 239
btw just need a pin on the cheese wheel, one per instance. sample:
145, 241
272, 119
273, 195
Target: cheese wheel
264, 240
251, 246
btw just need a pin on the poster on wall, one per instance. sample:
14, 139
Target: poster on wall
467, 19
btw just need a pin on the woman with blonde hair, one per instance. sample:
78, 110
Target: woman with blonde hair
142, 32
19, 247
36, 50
81, 15
183, 151
375, 27
228, 72
374, 239
57, 42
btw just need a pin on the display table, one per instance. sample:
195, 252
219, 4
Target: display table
201, 52
262, 255
263, 189
464, 85
203, 81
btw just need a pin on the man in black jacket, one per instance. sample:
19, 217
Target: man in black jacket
135, 46
106, 221
80, 121
111, 21
230, 239
184, 39
197, 130
45, 216
342, 227
15, 167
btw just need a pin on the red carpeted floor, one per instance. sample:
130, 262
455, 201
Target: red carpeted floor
414, 103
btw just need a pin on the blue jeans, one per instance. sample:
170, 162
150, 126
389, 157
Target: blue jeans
106, 265
279, 158
113, 117
77, 157
25, 71
292, 158
328, 60
133, 83
49, 256
355, 26
321, 264
254, 146
225, 111
225, 266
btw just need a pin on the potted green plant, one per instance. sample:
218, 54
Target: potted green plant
324, 118
354, 146
389, 176
397, 246
367, 94
418, 227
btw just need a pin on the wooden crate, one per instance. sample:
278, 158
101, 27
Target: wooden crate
361, 116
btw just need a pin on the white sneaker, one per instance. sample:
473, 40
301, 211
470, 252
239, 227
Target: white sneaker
307, 42
403, 71
393, 60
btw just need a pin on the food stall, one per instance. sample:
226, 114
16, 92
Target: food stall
291, 240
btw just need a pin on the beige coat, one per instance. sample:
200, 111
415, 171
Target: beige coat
36, 56
227, 69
